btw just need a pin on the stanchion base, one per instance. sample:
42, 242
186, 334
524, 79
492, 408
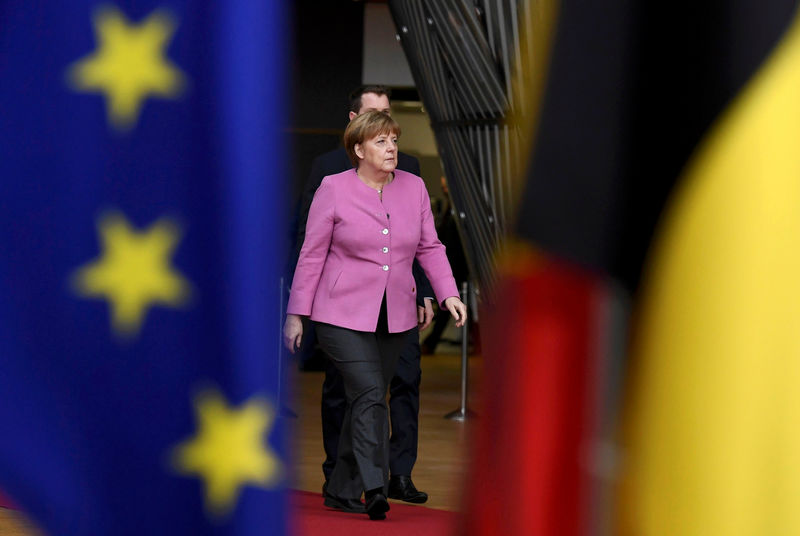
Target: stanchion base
460, 415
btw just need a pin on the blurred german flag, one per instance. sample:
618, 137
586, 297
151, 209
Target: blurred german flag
644, 359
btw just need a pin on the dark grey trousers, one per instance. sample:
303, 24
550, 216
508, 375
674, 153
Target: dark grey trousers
403, 410
366, 362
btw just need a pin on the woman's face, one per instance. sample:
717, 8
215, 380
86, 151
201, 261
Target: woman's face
378, 153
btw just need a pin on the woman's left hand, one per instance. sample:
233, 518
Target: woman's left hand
457, 309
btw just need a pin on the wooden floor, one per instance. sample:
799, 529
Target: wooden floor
441, 465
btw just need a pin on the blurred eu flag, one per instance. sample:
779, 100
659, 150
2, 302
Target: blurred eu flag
141, 208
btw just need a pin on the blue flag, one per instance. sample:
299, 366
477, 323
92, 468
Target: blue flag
141, 212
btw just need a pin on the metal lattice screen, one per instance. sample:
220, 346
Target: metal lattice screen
463, 55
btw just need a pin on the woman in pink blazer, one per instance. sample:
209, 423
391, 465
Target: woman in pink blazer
354, 280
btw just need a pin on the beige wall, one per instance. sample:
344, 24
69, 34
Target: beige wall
417, 135
384, 60
417, 139
385, 63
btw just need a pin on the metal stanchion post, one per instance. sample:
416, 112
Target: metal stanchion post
284, 411
462, 413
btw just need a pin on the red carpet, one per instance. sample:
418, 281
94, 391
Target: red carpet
311, 518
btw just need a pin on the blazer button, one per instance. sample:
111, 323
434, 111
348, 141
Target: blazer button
385, 231
385, 267
385, 250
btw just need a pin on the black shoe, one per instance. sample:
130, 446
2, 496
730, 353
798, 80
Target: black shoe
377, 506
402, 488
353, 506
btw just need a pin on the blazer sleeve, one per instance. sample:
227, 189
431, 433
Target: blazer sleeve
424, 288
431, 252
318, 235
310, 187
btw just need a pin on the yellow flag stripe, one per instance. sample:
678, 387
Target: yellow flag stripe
713, 436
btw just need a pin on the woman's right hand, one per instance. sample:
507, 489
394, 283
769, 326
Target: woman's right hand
292, 332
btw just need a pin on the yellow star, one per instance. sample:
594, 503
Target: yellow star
229, 450
128, 65
133, 271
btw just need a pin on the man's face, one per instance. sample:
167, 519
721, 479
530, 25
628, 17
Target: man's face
370, 102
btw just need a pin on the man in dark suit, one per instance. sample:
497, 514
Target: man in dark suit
447, 230
404, 388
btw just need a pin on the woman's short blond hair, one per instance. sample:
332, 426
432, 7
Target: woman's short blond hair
366, 126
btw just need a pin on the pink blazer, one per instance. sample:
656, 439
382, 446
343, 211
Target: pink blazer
357, 247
